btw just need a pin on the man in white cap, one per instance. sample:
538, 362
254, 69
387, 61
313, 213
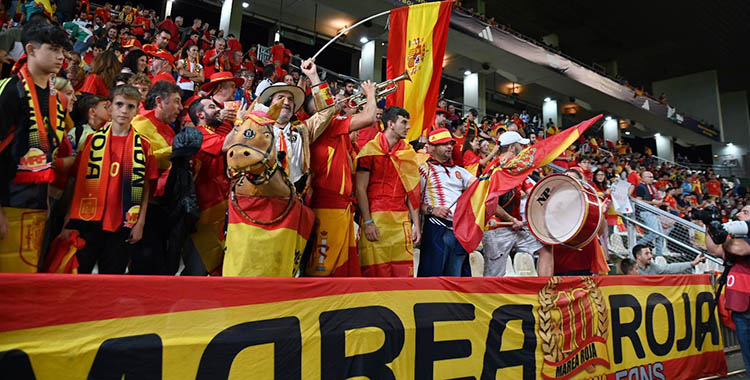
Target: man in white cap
293, 138
505, 230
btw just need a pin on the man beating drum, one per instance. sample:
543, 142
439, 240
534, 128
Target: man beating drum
505, 229
588, 259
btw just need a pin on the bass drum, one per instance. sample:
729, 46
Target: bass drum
561, 210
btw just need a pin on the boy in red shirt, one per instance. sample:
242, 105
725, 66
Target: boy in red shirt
110, 199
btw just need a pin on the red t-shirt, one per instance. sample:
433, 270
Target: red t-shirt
662, 184
458, 154
104, 14
234, 45
277, 53
330, 163
139, 30
385, 190
206, 45
280, 73
714, 188
94, 85
211, 183
112, 217
368, 133
209, 67
287, 58
634, 178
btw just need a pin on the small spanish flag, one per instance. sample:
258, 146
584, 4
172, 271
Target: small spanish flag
416, 44
479, 201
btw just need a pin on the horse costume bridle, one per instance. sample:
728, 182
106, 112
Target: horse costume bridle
239, 175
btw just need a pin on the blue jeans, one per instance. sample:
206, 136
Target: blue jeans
81, 47
441, 254
652, 221
742, 322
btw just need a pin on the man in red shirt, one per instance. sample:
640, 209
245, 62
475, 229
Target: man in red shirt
277, 53
713, 186
164, 105
211, 189
117, 163
221, 88
633, 177
161, 62
233, 43
217, 59
388, 198
174, 33
459, 134
368, 133
335, 251
162, 41
104, 12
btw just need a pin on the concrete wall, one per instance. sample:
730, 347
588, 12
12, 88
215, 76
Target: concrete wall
664, 147
695, 94
736, 118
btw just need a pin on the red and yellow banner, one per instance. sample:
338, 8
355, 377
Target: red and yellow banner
478, 203
416, 44
615, 327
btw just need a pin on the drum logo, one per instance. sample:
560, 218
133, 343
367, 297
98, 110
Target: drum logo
543, 196
573, 328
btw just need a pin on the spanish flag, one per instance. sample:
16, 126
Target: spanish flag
255, 248
479, 201
416, 44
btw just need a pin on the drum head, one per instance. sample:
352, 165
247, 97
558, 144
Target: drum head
556, 209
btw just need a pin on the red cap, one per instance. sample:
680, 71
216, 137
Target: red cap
440, 136
163, 54
132, 43
440, 110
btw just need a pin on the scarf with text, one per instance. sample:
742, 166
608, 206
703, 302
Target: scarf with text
93, 176
45, 134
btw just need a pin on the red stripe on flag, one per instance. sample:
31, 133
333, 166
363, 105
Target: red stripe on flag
36, 300
439, 38
268, 208
396, 64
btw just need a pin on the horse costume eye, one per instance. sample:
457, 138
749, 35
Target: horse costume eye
249, 134
268, 134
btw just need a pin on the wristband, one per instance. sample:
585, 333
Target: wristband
366, 222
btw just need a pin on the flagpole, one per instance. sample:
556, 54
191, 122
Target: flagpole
348, 29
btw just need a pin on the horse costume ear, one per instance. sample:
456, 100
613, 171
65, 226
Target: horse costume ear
274, 111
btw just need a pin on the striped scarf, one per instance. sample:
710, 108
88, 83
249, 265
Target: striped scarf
91, 185
36, 164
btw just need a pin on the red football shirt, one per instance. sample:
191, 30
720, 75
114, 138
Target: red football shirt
331, 165
94, 85
112, 217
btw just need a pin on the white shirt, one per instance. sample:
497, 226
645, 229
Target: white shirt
442, 186
294, 150
189, 66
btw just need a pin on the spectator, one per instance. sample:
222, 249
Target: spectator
102, 77
643, 256
136, 62
190, 72
143, 84
95, 111
628, 267
117, 222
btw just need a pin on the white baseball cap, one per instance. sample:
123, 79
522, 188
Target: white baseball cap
512, 137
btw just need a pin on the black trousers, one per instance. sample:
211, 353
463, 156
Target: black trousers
108, 249
149, 254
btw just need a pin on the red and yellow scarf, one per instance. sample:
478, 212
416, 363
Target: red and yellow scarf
404, 159
36, 165
92, 178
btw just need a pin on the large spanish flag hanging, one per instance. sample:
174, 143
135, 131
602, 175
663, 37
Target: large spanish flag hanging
479, 201
416, 43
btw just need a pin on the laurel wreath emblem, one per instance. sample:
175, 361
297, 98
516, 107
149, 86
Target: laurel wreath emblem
551, 330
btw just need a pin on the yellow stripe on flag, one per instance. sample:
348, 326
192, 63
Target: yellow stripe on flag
257, 252
419, 33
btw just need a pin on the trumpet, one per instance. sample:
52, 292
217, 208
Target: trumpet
382, 90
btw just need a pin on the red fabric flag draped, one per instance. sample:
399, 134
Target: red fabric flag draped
479, 201
416, 43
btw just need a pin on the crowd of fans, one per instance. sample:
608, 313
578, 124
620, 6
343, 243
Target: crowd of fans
120, 127
192, 76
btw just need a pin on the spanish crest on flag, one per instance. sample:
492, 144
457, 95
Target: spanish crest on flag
475, 206
417, 39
